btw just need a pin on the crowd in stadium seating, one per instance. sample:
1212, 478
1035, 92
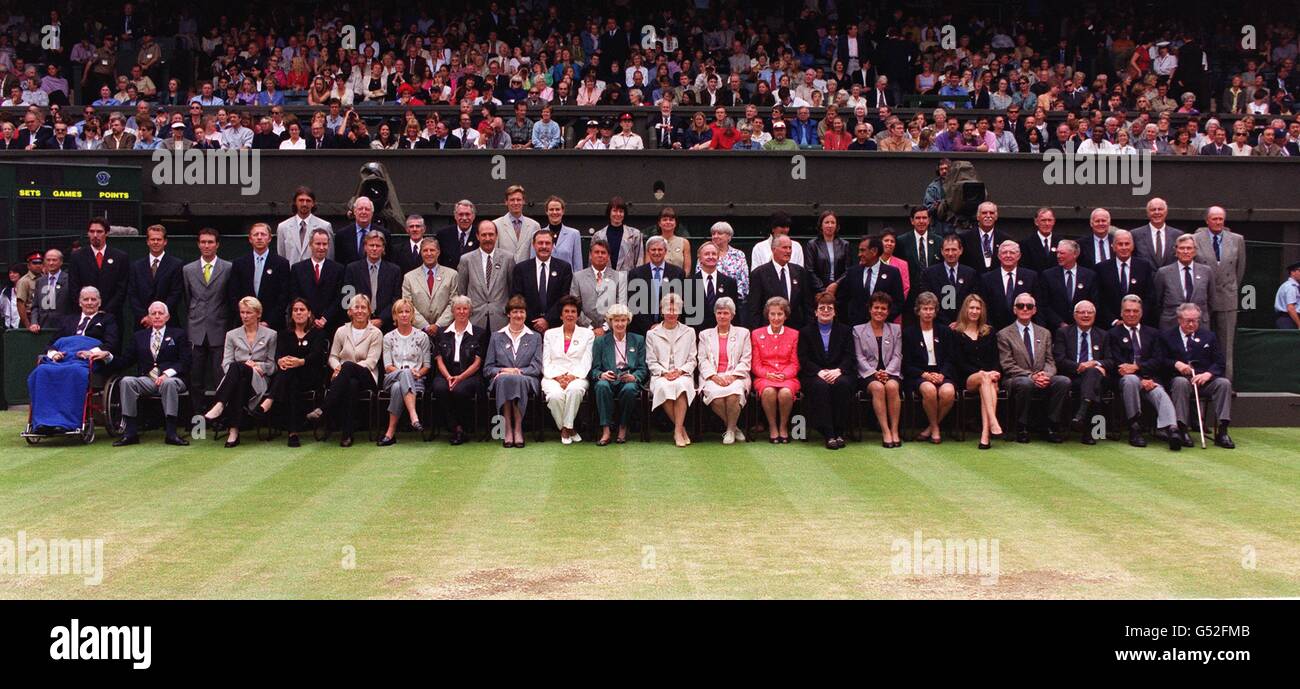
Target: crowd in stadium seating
315, 317
813, 77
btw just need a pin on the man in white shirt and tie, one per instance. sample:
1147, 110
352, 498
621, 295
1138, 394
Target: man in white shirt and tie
1154, 241
293, 236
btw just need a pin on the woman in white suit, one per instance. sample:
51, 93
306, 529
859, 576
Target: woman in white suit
566, 361
670, 355
354, 359
879, 349
248, 360
724, 357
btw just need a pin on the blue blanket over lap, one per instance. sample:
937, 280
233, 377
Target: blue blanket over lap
57, 389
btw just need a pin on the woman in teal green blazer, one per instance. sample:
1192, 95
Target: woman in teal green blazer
618, 372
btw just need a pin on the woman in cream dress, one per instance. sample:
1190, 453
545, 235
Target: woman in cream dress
670, 354
566, 361
724, 358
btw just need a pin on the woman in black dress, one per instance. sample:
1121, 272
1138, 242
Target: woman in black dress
977, 363
928, 365
300, 366
458, 353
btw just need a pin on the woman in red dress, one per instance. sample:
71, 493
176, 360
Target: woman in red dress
776, 368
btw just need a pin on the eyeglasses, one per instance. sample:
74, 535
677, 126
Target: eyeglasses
1025, 307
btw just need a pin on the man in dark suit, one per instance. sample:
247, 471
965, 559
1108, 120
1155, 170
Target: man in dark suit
261, 274
90, 321
458, 238
1129, 348
613, 44
949, 280
61, 141
320, 138
101, 266
405, 251
1080, 353
1038, 252
161, 355
156, 277
1121, 275
1219, 146
667, 131
919, 247
348, 238
1001, 286
781, 278
1095, 247
649, 282
1064, 285
319, 280
1156, 241
1188, 355
542, 280
980, 245
870, 275
376, 278
711, 284
443, 138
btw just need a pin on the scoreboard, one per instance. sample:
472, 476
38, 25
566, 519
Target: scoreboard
44, 205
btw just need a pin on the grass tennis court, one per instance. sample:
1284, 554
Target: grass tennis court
653, 521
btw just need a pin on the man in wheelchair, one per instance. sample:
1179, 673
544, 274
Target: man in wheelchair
161, 355
61, 380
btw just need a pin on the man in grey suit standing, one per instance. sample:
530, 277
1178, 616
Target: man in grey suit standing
1224, 251
485, 279
1025, 354
430, 288
514, 230
208, 314
598, 286
1154, 241
1183, 281
52, 299
293, 236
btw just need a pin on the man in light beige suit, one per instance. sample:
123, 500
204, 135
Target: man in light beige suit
1224, 251
1025, 355
514, 231
485, 275
430, 288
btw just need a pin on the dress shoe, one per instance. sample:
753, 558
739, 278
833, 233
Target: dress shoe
294, 441
578, 438
1022, 436
830, 444
785, 440
740, 435
1087, 439
566, 440
839, 443
728, 437
127, 440
1185, 438
507, 443
602, 442
620, 440
386, 441
985, 446
215, 411
232, 443
774, 440
1054, 436
1077, 422
417, 426
519, 444
1135, 437
1223, 440
177, 441
345, 441
457, 438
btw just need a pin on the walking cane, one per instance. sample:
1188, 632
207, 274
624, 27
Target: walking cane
1200, 418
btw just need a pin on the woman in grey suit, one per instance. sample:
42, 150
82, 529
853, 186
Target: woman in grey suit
408, 356
879, 348
248, 360
513, 369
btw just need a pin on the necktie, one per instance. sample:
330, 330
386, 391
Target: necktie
1187, 283
1218, 239
155, 343
1101, 250
153, 269
655, 285
361, 236
866, 280
316, 267
53, 282
785, 286
1085, 351
1069, 284
517, 223
207, 273
99, 259
1011, 288
464, 238
487, 271
921, 252
81, 327
988, 247
374, 283
429, 281
709, 293
666, 131
1160, 247
541, 286
1047, 245
952, 276
302, 234
1029, 343
600, 275
257, 275
1123, 277
1137, 343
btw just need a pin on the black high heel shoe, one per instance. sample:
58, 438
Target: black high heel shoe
985, 446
